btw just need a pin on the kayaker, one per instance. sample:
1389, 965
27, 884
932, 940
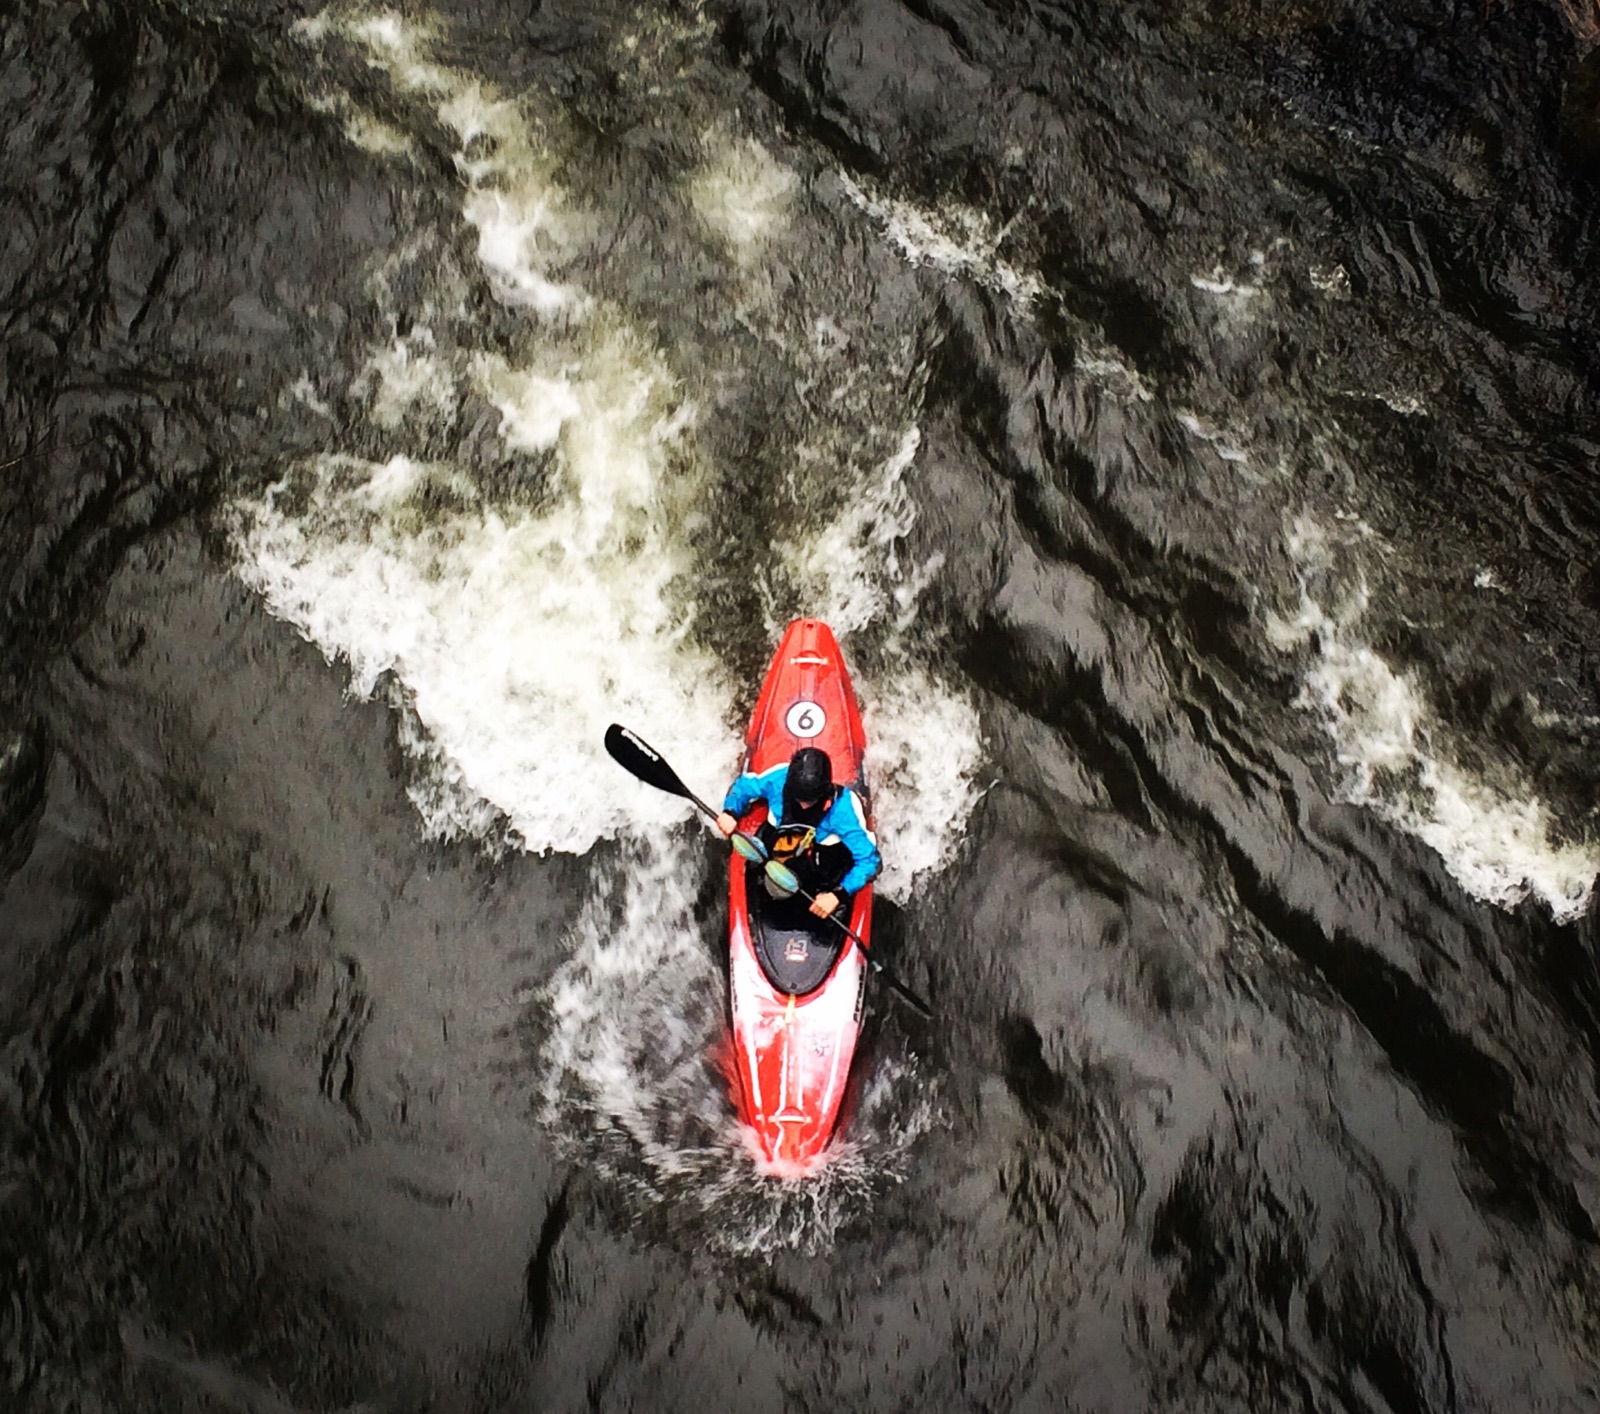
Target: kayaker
815, 827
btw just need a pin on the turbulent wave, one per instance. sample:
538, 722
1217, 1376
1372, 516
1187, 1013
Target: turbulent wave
517, 635
512, 590
516, 629
1497, 838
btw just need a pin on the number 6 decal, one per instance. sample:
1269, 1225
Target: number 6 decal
805, 719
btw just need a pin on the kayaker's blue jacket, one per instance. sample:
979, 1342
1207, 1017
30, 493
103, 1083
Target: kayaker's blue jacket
841, 821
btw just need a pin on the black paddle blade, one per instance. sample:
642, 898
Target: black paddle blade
644, 761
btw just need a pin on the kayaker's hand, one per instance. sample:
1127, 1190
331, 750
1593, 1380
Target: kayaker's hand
824, 904
726, 823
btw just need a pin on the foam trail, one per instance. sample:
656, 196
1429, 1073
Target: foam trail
923, 748
958, 240
742, 195
636, 1014
524, 224
1498, 839
404, 375
510, 633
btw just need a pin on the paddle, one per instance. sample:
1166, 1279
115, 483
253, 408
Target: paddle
785, 879
644, 761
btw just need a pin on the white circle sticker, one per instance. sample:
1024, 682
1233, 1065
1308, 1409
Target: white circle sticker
805, 719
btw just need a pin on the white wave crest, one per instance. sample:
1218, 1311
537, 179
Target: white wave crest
1497, 838
519, 633
511, 631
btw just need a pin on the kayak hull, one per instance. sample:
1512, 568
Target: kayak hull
792, 1052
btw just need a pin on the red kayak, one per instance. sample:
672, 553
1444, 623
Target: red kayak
795, 995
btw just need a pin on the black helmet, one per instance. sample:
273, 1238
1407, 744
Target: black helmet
810, 774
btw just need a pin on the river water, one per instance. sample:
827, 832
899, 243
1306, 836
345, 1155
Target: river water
1188, 416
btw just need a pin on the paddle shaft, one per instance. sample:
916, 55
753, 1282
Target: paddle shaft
894, 982
866, 952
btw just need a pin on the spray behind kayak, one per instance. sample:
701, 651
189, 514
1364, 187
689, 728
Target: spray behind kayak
634, 1035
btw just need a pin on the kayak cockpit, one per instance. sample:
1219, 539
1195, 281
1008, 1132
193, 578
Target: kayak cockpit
795, 958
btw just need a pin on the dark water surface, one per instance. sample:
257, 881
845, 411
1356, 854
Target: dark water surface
1189, 415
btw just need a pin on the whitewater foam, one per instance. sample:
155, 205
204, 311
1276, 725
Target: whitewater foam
509, 632
635, 1021
923, 737
742, 194
518, 632
923, 749
1219, 282
1225, 446
1497, 838
404, 374
959, 240
525, 225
